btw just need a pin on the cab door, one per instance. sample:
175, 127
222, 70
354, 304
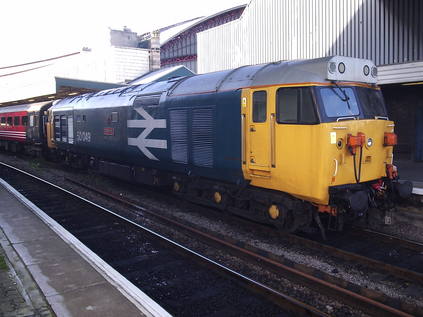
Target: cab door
259, 131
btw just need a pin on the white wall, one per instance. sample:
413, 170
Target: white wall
387, 32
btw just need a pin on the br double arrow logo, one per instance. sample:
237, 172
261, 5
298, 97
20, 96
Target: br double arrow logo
149, 124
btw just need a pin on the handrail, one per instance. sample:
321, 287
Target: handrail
243, 138
272, 141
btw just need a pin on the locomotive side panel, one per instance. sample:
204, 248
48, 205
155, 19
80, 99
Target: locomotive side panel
196, 135
204, 135
100, 132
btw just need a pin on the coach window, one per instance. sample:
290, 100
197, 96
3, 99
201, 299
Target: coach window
259, 106
16, 121
295, 106
3, 121
9, 121
24, 121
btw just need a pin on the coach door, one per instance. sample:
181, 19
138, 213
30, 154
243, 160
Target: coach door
258, 129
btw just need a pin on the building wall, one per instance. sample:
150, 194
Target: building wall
123, 37
386, 31
129, 63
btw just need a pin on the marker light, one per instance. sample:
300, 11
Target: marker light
369, 142
354, 142
366, 70
390, 139
374, 72
341, 68
332, 67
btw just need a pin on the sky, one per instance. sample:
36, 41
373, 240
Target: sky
38, 29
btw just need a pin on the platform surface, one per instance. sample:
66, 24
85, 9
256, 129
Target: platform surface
71, 286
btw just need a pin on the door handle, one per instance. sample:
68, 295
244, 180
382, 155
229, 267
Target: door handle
252, 129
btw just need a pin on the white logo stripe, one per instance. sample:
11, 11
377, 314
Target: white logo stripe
149, 124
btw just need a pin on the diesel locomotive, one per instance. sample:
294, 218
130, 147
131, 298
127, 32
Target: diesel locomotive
283, 143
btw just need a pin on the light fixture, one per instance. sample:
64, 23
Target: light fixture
369, 142
341, 68
332, 67
366, 70
374, 72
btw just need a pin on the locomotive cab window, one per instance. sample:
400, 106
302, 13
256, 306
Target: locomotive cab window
259, 106
372, 102
114, 117
57, 128
339, 102
64, 128
295, 106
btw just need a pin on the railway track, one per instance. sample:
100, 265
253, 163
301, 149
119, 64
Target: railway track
399, 257
181, 280
374, 303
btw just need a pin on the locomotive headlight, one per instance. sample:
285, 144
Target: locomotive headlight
341, 68
369, 142
332, 67
366, 70
374, 72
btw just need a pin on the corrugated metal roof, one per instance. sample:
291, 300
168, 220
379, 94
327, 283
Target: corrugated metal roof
400, 73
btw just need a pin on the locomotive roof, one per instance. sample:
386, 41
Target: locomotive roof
278, 73
318, 70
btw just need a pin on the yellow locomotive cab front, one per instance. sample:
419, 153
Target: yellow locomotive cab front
329, 143
306, 159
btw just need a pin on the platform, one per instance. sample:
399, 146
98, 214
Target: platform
69, 284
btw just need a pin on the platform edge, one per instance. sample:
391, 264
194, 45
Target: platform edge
141, 300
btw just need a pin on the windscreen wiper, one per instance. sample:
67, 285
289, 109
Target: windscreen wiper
345, 98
